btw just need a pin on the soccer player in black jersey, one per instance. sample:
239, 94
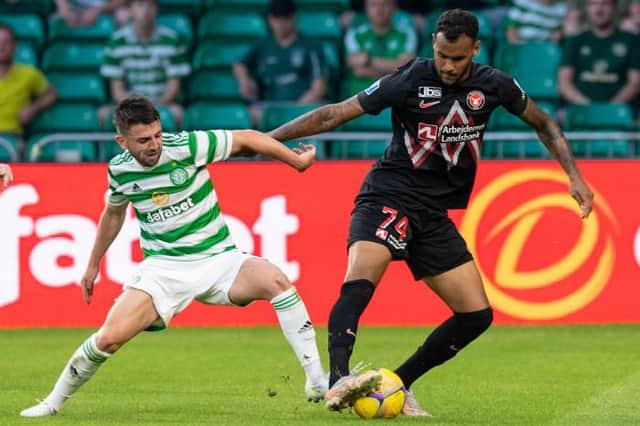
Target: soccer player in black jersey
440, 108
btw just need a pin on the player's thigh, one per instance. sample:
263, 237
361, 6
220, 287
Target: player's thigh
257, 279
132, 312
460, 288
378, 233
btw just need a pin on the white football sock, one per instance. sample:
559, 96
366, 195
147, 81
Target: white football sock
83, 364
297, 328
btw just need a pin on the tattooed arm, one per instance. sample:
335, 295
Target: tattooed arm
552, 137
320, 120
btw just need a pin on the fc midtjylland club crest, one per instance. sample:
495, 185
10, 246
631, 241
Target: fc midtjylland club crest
475, 100
178, 176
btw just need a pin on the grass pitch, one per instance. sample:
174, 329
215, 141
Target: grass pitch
578, 375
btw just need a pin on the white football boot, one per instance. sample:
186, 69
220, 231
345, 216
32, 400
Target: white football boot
41, 409
411, 407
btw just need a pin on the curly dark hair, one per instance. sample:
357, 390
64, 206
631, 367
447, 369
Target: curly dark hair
453, 23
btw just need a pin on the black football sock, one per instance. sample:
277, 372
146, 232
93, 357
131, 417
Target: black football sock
444, 343
343, 325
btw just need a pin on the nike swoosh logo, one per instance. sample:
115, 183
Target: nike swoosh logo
425, 105
349, 331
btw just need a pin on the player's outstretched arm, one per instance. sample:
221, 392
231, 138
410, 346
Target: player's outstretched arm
6, 176
110, 223
319, 120
551, 135
254, 142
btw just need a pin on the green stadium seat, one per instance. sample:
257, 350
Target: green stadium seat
190, 7
26, 54
504, 121
73, 57
539, 86
258, 6
602, 117
166, 118
530, 58
99, 32
213, 86
79, 87
231, 26
39, 7
180, 23
28, 27
335, 6
9, 148
219, 56
364, 148
62, 151
66, 118
332, 59
320, 25
217, 116
277, 114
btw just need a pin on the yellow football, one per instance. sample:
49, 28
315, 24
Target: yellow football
385, 401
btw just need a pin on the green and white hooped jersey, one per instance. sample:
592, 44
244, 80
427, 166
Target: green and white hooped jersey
174, 200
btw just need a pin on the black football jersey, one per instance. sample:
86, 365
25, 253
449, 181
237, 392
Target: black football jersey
437, 132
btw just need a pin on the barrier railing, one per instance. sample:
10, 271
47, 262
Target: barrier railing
9, 147
332, 136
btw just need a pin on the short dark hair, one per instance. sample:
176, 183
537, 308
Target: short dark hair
453, 23
282, 8
8, 29
136, 109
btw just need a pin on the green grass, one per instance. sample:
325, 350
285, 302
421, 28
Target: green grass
512, 375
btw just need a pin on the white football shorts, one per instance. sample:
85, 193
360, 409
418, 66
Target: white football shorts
174, 284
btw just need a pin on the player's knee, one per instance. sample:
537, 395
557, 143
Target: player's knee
476, 322
278, 283
109, 340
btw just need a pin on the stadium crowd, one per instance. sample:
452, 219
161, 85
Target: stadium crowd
259, 63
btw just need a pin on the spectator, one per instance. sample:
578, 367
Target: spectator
146, 59
417, 8
377, 47
602, 64
284, 66
535, 20
631, 20
85, 12
6, 176
574, 18
24, 90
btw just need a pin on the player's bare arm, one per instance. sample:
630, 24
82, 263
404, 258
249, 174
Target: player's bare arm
254, 142
109, 226
6, 176
320, 120
551, 135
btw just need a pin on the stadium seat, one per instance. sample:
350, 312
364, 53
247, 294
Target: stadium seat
9, 149
73, 57
320, 25
529, 58
39, 7
275, 115
335, 6
230, 26
259, 6
539, 86
99, 32
190, 7
26, 54
211, 55
332, 59
504, 121
66, 118
601, 117
62, 151
28, 27
166, 118
213, 86
180, 23
217, 116
78, 87
364, 148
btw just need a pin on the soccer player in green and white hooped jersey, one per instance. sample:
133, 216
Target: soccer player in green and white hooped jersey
189, 253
